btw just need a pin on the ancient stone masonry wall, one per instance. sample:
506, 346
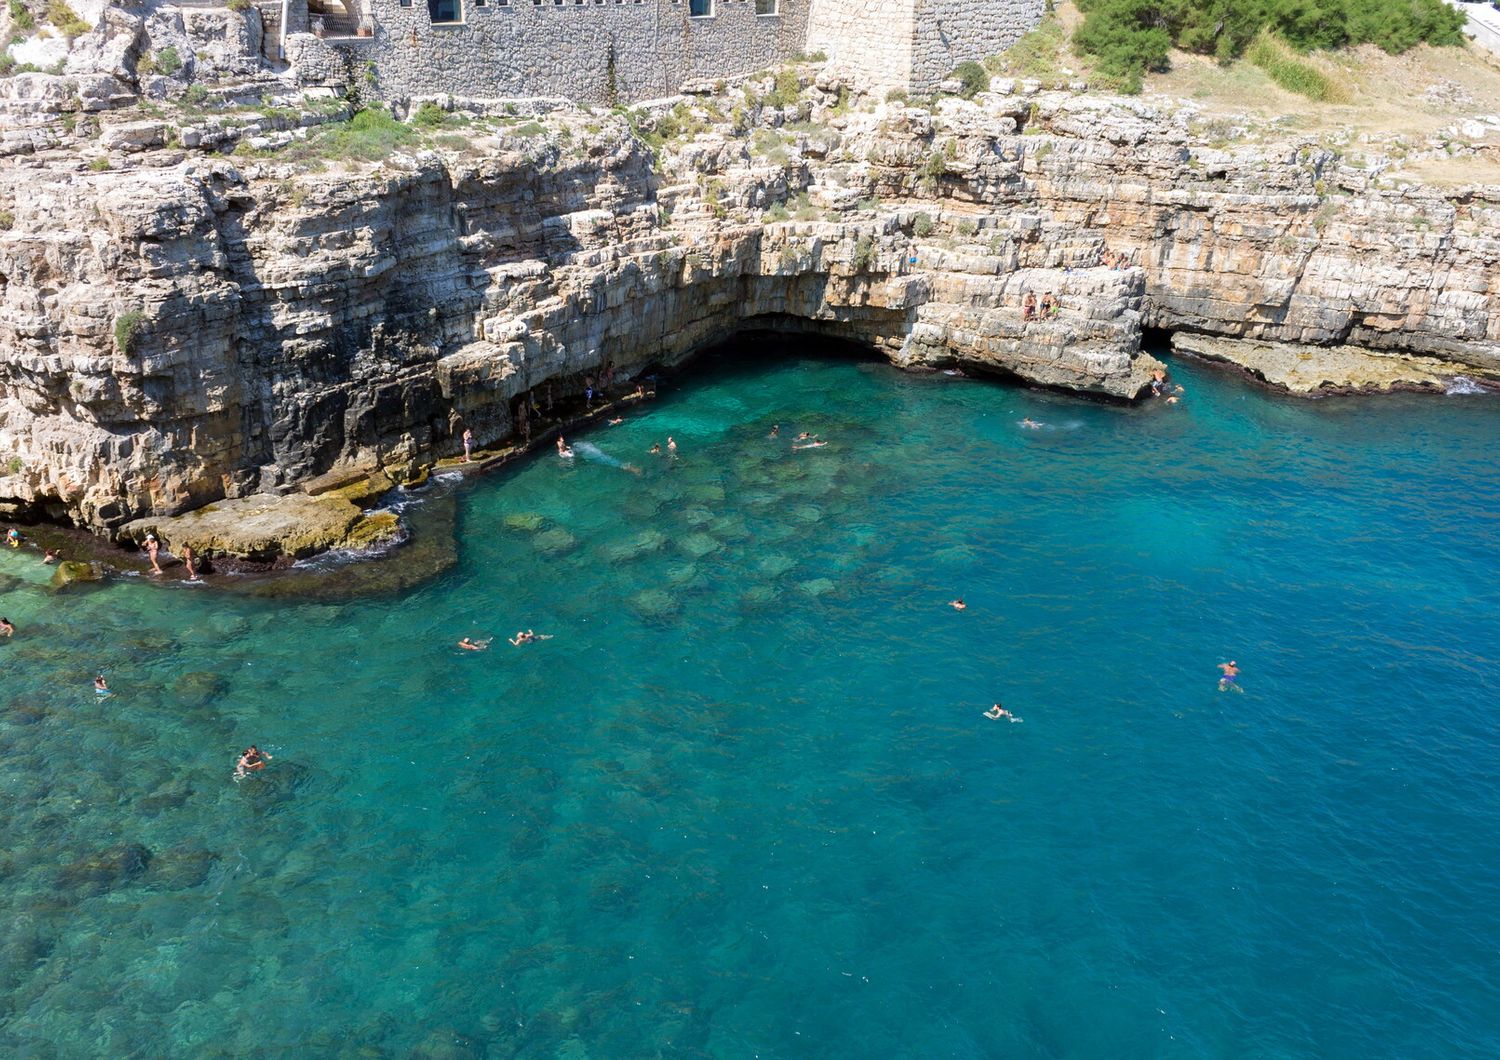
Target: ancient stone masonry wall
948, 32
869, 40
588, 52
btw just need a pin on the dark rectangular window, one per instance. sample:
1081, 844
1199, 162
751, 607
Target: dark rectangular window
406, 3
444, 10
766, 7
700, 8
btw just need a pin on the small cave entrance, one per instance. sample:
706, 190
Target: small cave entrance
1156, 341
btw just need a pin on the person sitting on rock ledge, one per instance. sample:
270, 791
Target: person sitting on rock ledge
13, 537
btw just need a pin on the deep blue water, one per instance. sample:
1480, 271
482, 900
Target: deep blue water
745, 802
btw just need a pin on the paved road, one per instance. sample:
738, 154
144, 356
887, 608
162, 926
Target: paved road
1484, 24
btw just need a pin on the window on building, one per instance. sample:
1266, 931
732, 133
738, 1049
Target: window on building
701, 8
406, 3
480, 3
766, 7
445, 10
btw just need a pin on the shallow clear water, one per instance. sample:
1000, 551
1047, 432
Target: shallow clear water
745, 802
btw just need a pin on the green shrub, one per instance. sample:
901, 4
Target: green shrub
168, 61
238, 5
100, 164
972, 79
922, 225
66, 20
1291, 73
128, 330
7, 220
195, 95
1129, 37
429, 116
777, 212
896, 95
1034, 55
15, 464
21, 17
788, 89
864, 252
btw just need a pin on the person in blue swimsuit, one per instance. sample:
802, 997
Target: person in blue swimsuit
1229, 672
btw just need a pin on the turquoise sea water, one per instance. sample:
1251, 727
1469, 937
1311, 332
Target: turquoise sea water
745, 803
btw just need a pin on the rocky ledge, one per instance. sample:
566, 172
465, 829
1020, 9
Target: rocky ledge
196, 344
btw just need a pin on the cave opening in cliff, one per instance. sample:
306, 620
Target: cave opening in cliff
1156, 341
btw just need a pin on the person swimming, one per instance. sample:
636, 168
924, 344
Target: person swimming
1229, 672
50, 556
616, 421
656, 449
775, 430
804, 437
671, 445
1031, 424
809, 445
101, 686
958, 605
473, 645
253, 759
527, 636
562, 448
6, 629
997, 712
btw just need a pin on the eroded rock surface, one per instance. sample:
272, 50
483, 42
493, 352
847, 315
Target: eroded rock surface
196, 330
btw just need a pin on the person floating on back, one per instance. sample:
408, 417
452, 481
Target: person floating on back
958, 605
1230, 671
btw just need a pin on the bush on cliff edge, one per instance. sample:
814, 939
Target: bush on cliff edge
1129, 37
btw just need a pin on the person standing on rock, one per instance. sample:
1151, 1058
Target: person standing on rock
1028, 306
468, 443
152, 548
187, 561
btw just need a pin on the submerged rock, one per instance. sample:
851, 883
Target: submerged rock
655, 603
76, 572
106, 870
264, 526
176, 870
525, 522
198, 688
555, 541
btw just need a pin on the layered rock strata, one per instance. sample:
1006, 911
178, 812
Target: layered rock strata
195, 327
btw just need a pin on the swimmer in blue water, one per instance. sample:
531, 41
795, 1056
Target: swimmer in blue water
101, 686
1229, 672
254, 759
528, 636
1031, 424
997, 712
6, 629
562, 449
473, 645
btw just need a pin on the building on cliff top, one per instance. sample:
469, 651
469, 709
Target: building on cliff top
607, 51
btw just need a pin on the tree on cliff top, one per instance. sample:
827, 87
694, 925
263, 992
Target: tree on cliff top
1129, 37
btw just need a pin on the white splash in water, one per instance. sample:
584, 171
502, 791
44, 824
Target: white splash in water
1462, 384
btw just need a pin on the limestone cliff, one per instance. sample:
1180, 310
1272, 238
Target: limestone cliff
184, 326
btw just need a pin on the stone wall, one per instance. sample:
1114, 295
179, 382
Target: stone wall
589, 52
869, 40
948, 32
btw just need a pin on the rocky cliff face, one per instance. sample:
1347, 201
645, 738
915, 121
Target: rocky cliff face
187, 327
